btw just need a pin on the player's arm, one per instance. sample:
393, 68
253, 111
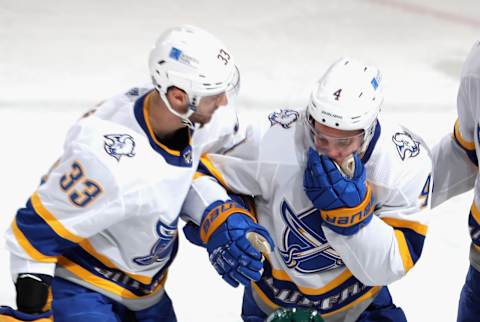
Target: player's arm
454, 157
220, 221
223, 226
62, 213
239, 170
378, 245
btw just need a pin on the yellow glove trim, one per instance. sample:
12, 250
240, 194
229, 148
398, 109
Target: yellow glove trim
347, 217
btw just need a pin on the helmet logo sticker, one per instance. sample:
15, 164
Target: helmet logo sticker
181, 57
405, 143
118, 145
337, 94
284, 118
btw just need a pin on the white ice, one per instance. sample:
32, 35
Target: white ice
57, 58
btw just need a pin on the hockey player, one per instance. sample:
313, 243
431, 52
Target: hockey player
340, 193
101, 231
455, 160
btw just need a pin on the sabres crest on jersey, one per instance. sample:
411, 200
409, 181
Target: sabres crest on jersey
406, 146
135, 92
304, 246
118, 145
162, 248
283, 117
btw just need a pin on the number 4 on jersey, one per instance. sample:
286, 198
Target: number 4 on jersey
337, 94
425, 192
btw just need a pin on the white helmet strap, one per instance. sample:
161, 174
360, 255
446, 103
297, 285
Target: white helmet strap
183, 116
369, 133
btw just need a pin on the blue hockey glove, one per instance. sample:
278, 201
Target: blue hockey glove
345, 204
224, 231
192, 233
9, 314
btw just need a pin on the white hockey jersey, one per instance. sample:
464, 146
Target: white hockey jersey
456, 155
106, 215
311, 265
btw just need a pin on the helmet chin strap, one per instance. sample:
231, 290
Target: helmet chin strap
183, 117
368, 137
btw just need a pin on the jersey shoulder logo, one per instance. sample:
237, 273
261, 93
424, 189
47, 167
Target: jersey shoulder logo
304, 246
162, 248
406, 146
118, 145
136, 92
283, 117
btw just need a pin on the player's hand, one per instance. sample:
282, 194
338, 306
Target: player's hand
9, 314
345, 204
224, 231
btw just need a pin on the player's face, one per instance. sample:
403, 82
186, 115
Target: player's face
207, 106
336, 144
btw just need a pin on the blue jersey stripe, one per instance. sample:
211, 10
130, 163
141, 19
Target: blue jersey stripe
415, 242
40, 235
80, 257
286, 293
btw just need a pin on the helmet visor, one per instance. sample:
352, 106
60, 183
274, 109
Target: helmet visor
328, 141
233, 86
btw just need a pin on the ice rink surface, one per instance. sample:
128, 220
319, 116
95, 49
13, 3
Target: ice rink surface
57, 58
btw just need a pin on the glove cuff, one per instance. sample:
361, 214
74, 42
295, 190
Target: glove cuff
347, 221
216, 214
33, 292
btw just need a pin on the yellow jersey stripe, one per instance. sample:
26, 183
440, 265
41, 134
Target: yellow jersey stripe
4, 318
107, 262
198, 175
214, 171
146, 112
404, 252
475, 212
413, 225
264, 298
372, 292
463, 142
283, 276
28, 248
476, 247
64, 233
105, 284
53, 222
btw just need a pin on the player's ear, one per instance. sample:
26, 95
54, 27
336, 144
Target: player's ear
177, 98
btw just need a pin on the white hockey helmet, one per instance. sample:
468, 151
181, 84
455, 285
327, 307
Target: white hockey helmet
194, 61
347, 97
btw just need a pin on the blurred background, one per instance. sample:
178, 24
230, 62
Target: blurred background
58, 58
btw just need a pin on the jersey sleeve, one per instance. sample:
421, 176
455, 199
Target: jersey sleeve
78, 199
237, 171
389, 246
455, 157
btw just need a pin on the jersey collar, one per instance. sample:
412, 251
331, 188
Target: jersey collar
372, 144
173, 157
